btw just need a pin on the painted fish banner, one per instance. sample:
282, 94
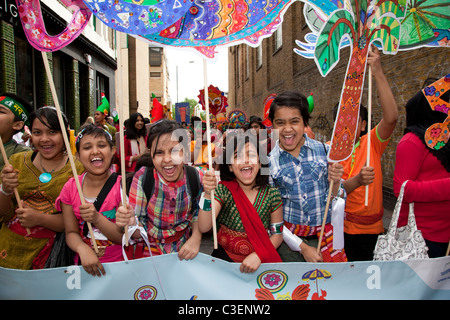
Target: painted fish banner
206, 278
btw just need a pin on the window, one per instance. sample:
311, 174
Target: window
238, 70
101, 87
259, 56
25, 73
155, 74
247, 62
59, 72
155, 58
278, 38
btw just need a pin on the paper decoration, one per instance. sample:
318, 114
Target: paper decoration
217, 100
208, 24
364, 24
267, 103
438, 134
157, 112
237, 119
138, 17
424, 22
342, 28
182, 112
33, 24
104, 105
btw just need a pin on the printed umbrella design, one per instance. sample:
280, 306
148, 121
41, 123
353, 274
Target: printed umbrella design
138, 17
364, 24
315, 275
33, 24
208, 24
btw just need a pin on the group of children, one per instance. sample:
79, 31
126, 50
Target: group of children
261, 217
169, 199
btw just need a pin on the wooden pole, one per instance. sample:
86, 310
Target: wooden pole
208, 137
325, 216
67, 143
16, 193
369, 128
122, 142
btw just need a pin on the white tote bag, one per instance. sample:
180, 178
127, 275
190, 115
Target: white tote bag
401, 243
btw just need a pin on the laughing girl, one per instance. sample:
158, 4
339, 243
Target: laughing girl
102, 192
247, 208
166, 207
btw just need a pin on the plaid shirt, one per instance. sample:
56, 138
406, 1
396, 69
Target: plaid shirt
302, 181
169, 208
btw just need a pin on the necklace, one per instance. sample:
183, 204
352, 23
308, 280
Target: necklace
45, 176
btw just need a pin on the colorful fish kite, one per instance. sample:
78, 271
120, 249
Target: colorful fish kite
33, 24
208, 24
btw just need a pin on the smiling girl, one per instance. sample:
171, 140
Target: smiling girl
169, 214
38, 176
102, 193
135, 142
246, 208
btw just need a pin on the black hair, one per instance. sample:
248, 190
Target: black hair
49, 117
291, 99
194, 119
131, 131
255, 119
236, 144
163, 127
92, 129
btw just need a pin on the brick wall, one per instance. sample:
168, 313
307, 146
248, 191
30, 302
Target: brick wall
285, 70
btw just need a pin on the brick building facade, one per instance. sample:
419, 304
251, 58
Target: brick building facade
254, 73
81, 70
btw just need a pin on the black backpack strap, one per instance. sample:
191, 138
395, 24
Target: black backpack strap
109, 184
148, 182
193, 181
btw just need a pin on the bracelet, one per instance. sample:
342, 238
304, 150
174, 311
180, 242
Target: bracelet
3, 191
276, 228
340, 192
204, 204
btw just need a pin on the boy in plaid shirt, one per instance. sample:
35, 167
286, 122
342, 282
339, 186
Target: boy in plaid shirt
299, 169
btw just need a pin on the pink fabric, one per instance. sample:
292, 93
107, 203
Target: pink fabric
69, 195
428, 187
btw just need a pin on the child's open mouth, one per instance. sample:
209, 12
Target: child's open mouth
289, 139
97, 162
247, 172
170, 170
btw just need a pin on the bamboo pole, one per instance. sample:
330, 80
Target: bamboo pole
325, 216
208, 137
16, 193
67, 143
122, 142
369, 128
